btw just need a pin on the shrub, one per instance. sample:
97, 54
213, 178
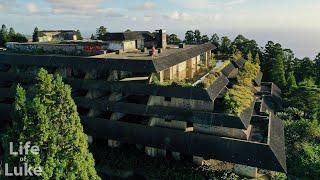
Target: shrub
241, 96
209, 79
238, 99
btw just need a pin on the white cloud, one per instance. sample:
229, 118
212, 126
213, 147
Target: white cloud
84, 8
31, 8
177, 16
147, 18
73, 6
7, 6
145, 6
194, 17
204, 4
111, 12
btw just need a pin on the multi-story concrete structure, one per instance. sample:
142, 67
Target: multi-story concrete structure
118, 100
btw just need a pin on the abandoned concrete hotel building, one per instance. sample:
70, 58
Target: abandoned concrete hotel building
131, 94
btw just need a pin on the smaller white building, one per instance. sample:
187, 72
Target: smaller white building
125, 41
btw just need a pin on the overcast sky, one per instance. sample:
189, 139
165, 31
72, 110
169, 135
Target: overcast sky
293, 23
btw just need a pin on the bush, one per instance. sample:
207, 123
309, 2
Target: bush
237, 99
241, 96
156, 81
210, 78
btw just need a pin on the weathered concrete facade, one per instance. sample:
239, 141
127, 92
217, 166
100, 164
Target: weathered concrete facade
117, 103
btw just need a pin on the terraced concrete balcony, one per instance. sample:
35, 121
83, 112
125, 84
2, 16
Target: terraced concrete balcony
117, 102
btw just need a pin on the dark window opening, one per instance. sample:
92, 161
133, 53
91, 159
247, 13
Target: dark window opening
136, 43
6, 100
51, 70
189, 124
136, 99
78, 74
105, 115
79, 92
218, 105
168, 99
5, 84
5, 67
83, 111
167, 120
136, 119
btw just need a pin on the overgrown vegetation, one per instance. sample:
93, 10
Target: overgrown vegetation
299, 80
222, 66
175, 83
209, 79
241, 96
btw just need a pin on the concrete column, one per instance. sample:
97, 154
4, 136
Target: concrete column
93, 94
153, 152
176, 156
91, 74
90, 139
247, 171
167, 74
113, 75
62, 71
93, 113
114, 117
197, 63
161, 76
189, 69
175, 73
150, 151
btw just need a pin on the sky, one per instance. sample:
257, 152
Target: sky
293, 23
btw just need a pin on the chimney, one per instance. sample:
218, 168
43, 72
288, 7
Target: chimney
161, 39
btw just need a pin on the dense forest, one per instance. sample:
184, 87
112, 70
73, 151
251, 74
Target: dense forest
299, 80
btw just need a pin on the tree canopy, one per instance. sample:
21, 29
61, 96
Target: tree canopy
10, 36
46, 115
35, 37
173, 39
78, 34
101, 32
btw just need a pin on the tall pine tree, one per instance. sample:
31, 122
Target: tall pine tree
317, 68
291, 81
277, 71
47, 116
35, 37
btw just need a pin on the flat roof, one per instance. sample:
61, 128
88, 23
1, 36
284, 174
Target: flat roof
134, 62
138, 55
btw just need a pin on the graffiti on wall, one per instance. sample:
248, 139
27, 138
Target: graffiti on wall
92, 49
